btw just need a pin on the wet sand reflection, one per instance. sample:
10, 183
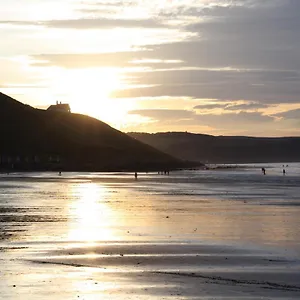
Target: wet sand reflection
98, 237
91, 217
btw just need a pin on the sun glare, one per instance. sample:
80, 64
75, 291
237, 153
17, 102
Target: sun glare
92, 216
88, 92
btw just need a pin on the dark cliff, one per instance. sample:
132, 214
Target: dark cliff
223, 149
39, 139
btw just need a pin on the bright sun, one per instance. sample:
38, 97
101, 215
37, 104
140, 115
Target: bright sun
88, 92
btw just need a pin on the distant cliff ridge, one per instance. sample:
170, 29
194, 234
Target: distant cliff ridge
46, 140
223, 149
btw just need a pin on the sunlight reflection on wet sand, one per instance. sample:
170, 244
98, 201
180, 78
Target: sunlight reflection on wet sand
111, 237
93, 218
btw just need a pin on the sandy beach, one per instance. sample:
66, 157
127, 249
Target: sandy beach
206, 234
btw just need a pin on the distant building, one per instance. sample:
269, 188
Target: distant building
60, 107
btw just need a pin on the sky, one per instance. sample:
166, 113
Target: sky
221, 67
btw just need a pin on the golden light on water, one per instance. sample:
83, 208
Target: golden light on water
93, 219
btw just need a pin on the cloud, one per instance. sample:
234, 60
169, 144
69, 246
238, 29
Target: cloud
211, 85
210, 106
204, 119
88, 60
249, 35
164, 114
90, 23
290, 114
234, 119
105, 7
95, 23
121, 59
246, 106
166, 78
232, 107
228, 123
241, 54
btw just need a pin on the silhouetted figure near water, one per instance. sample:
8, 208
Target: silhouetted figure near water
135, 175
263, 171
59, 173
283, 172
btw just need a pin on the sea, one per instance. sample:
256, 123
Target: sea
228, 232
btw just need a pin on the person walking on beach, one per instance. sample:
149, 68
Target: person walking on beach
263, 171
283, 172
135, 175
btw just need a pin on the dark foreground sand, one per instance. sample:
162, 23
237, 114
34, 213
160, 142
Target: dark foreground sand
145, 271
177, 237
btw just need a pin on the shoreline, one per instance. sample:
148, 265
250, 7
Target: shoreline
184, 236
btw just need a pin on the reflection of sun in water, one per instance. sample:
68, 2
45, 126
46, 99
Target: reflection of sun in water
93, 218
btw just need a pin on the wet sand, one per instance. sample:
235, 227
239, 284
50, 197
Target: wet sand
190, 235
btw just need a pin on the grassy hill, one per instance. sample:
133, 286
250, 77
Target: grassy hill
223, 149
39, 139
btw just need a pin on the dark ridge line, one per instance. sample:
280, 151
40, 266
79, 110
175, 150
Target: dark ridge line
271, 285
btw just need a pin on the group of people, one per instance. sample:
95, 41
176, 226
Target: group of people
263, 170
166, 172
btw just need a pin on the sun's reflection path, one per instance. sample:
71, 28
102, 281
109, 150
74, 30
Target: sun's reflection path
92, 218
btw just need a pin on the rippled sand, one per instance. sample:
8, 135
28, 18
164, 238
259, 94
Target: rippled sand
190, 235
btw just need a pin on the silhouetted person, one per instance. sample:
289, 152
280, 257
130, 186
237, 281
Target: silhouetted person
135, 175
263, 171
283, 172
59, 173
